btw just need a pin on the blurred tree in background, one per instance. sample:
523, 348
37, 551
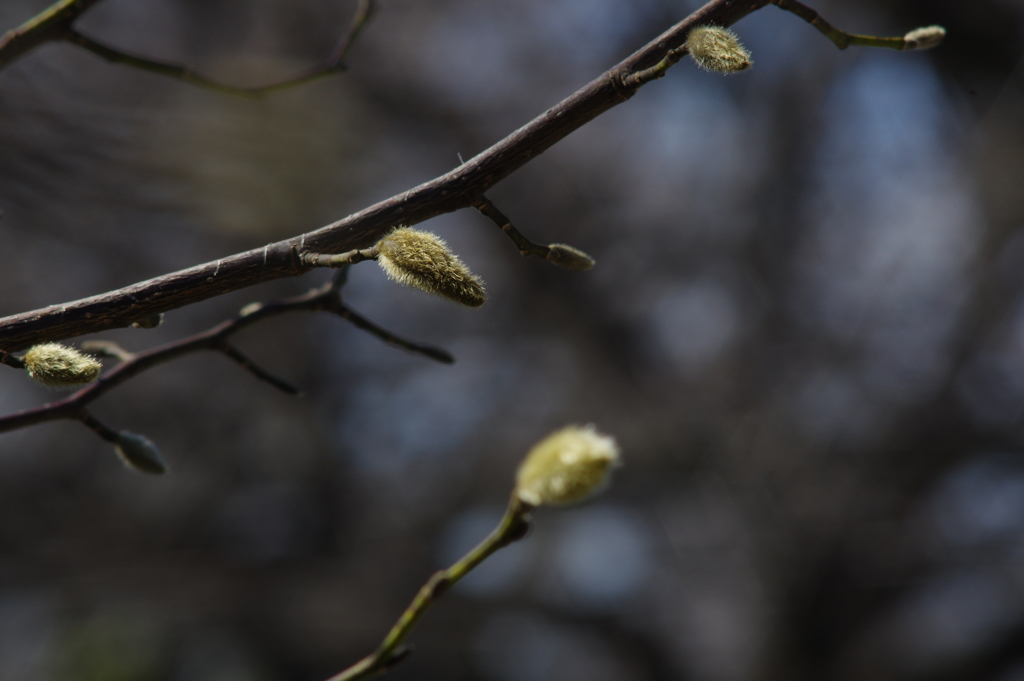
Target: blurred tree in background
805, 328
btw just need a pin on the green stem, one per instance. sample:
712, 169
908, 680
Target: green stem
842, 39
391, 651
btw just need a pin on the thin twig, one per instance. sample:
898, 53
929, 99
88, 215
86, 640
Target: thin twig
525, 246
90, 421
325, 298
842, 39
105, 348
50, 24
562, 255
439, 354
11, 361
256, 370
513, 526
55, 23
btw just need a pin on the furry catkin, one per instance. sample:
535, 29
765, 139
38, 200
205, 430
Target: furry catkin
422, 260
58, 366
717, 49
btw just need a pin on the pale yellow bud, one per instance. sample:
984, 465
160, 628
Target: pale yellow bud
568, 257
566, 466
422, 260
717, 49
925, 37
58, 366
139, 453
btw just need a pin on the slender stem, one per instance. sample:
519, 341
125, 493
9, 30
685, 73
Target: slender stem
256, 370
512, 527
108, 434
841, 38
105, 348
336, 63
361, 322
11, 361
525, 246
50, 24
177, 71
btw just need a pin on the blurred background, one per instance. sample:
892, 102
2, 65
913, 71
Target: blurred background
805, 328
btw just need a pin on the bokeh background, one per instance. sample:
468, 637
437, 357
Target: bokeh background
805, 328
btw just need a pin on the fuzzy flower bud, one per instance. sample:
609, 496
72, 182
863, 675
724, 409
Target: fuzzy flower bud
139, 453
58, 366
717, 49
566, 466
422, 260
925, 38
568, 257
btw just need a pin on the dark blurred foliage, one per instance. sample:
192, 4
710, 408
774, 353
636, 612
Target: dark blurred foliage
806, 329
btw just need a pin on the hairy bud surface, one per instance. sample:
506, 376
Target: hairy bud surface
58, 366
717, 49
422, 260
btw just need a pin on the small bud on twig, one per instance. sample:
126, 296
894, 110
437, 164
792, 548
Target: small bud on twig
925, 38
566, 467
569, 258
58, 366
422, 260
139, 453
717, 49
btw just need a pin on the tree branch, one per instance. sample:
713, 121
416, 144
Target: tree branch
460, 188
325, 298
55, 23
50, 24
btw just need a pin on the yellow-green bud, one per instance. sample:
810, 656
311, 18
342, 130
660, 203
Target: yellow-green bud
139, 453
566, 466
422, 260
717, 49
58, 366
925, 37
568, 257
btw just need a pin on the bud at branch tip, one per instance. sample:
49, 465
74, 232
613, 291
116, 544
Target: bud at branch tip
567, 466
925, 37
139, 453
570, 258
